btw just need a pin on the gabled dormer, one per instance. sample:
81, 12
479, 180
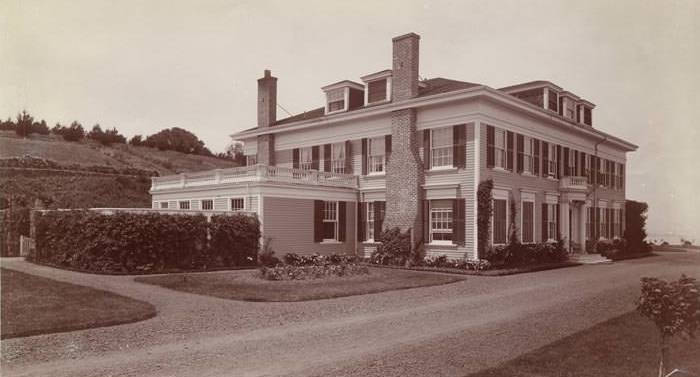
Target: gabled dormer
377, 87
584, 113
343, 96
548, 96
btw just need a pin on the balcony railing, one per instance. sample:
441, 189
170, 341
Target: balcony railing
570, 182
254, 173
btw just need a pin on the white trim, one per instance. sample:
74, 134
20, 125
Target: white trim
477, 178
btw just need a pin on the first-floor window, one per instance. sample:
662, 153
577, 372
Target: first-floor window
163, 205
589, 223
184, 204
602, 220
528, 213
330, 221
207, 204
441, 220
549, 222
237, 204
617, 228
500, 223
370, 221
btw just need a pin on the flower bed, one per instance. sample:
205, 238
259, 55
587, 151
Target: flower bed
315, 266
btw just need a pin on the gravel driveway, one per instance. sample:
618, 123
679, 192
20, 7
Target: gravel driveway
448, 330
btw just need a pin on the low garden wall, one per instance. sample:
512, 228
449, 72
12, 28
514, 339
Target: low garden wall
125, 242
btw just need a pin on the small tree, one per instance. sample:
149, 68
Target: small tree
674, 307
24, 124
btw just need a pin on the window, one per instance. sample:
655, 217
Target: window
338, 157
617, 228
330, 221
441, 147
376, 152
587, 116
251, 159
571, 162
237, 204
500, 222
528, 148
370, 221
441, 221
500, 148
376, 91
553, 100
551, 223
184, 204
163, 205
602, 164
528, 225
306, 160
590, 223
336, 100
551, 162
602, 221
207, 204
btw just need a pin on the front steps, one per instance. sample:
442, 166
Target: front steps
585, 258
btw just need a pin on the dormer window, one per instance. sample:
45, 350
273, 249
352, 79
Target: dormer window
553, 100
343, 96
377, 87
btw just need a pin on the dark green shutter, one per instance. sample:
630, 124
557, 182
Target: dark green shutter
490, 152
327, 157
459, 149
520, 149
458, 221
509, 150
364, 156
318, 220
426, 149
295, 158
361, 221
342, 221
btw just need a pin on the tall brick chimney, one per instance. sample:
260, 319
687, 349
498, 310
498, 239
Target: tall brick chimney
404, 83
267, 115
405, 175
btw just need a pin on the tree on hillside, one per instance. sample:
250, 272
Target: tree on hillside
40, 128
23, 127
234, 152
136, 140
7, 125
177, 139
106, 137
74, 133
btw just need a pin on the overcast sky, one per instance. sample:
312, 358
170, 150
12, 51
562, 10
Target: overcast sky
142, 66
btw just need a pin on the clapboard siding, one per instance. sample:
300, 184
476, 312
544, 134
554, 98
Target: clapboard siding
290, 224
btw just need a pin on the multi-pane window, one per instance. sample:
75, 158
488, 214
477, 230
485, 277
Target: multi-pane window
571, 168
237, 204
528, 148
207, 204
499, 148
336, 100
551, 162
441, 147
553, 100
441, 220
251, 159
551, 223
330, 221
184, 204
338, 157
376, 152
590, 223
528, 226
602, 176
306, 159
587, 163
369, 228
603, 221
617, 228
163, 205
500, 223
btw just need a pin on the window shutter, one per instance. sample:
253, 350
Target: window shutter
379, 213
318, 220
342, 221
295, 158
426, 221
520, 149
536, 155
490, 140
622, 176
458, 221
348, 157
387, 145
459, 149
426, 149
509, 151
558, 171
327, 157
545, 158
361, 221
314, 157
558, 217
544, 222
364, 156
566, 162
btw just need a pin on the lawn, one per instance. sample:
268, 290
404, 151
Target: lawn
33, 305
626, 346
246, 286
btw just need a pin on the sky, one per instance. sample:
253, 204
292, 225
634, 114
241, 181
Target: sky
142, 66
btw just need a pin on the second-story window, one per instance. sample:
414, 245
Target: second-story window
499, 148
306, 159
336, 100
376, 155
551, 162
528, 147
338, 157
441, 147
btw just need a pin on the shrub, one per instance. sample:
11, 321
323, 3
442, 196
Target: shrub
266, 257
395, 248
527, 254
315, 266
441, 261
13, 223
235, 239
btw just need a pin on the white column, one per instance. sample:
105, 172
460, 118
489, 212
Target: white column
564, 219
582, 225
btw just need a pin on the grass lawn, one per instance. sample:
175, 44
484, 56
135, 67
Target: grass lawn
245, 285
33, 305
626, 346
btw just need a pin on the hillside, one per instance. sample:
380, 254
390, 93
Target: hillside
86, 174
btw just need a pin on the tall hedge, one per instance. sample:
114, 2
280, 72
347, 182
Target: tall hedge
134, 242
13, 223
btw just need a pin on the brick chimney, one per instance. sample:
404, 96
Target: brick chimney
267, 115
404, 83
405, 175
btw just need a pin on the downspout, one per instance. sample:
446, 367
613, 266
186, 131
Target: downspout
596, 212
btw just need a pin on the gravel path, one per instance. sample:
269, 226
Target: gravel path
448, 330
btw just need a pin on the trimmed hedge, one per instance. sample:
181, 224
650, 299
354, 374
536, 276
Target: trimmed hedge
144, 242
527, 254
13, 223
